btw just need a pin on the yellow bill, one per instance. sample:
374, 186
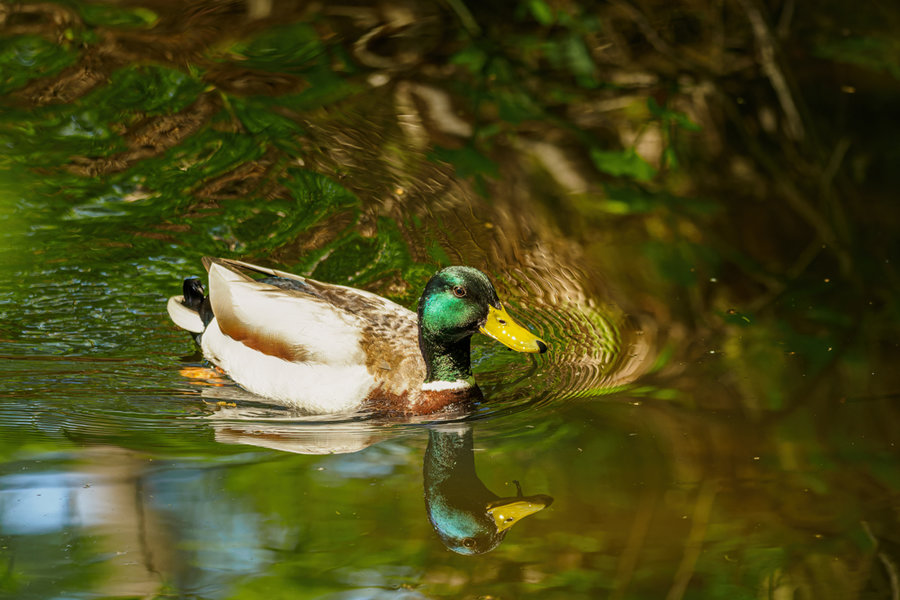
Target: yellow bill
509, 511
504, 329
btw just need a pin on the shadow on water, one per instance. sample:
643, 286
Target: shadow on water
711, 258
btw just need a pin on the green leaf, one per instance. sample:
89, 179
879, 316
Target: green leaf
472, 58
671, 116
624, 163
579, 61
542, 13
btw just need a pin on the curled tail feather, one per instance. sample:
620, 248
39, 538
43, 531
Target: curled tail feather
190, 311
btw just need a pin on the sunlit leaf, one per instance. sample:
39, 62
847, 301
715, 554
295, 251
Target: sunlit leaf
471, 57
623, 163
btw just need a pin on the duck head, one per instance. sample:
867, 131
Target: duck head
457, 303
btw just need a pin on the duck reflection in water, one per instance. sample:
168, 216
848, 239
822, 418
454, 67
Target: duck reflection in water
468, 517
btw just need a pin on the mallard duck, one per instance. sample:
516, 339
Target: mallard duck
469, 518
327, 348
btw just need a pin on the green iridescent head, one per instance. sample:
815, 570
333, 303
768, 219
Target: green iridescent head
458, 302
455, 304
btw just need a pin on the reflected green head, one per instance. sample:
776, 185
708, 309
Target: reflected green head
455, 304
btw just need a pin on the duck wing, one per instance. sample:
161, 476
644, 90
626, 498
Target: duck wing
316, 322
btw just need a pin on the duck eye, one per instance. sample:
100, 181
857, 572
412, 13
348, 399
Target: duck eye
468, 542
459, 291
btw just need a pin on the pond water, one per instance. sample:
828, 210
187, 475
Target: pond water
686, 436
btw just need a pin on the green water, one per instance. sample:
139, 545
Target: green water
716, 417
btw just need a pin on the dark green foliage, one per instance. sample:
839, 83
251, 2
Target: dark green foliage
145, 89
107, 15
290, 49
26, 57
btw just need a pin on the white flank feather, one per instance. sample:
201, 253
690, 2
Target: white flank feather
315, 387
183, 316
328, 336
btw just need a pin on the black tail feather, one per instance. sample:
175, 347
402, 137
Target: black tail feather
195, 300
193, 293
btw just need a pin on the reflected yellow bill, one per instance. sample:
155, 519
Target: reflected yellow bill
509, 511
